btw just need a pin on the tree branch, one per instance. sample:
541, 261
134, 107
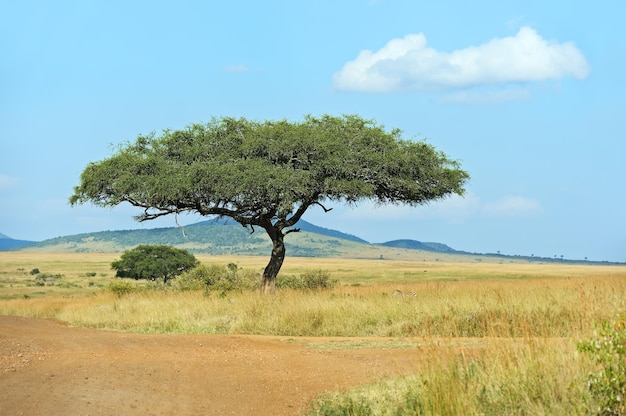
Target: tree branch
323, 207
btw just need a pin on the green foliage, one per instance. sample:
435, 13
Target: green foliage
121, 287
309, 280
219, 278
247, 169
348, 407
608, 383
153, 262
46, 278
34, 272
268, 174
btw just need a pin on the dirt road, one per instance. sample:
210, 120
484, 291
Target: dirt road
47, 368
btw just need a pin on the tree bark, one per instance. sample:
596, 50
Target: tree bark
276, 262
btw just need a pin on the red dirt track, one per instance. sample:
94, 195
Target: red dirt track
48, 368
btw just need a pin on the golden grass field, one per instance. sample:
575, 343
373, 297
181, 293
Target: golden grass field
526, 318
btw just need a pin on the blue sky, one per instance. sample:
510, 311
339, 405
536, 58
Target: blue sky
528, 95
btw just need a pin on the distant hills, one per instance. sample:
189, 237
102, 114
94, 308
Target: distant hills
213, 236
302, 225
8, 243
227, 237
418, 245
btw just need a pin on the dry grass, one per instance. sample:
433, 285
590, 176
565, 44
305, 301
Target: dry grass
532, 376
526, 318
452, 299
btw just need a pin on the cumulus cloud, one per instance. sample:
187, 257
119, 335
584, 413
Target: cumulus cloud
511, 206
409, 64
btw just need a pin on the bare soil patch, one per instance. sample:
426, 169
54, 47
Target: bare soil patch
49, 368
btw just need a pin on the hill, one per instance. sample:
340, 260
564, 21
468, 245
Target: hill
302, 226
226, 237
214, 236
8, 243
418, 245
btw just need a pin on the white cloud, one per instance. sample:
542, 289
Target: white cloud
511, 206
8, 182
409, 64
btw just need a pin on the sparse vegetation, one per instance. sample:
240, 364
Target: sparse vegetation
608, 380
495, 339
122, 287
309, 280
521, 377
219, 278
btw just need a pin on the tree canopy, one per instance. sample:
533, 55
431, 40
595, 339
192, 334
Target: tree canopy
154, 262
267, 174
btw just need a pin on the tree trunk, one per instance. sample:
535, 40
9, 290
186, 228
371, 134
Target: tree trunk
274, 265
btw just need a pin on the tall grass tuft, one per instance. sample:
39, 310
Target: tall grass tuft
530, 377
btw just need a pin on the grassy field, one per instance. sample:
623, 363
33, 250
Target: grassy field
526, 319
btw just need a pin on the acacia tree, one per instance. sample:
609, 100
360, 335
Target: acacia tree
153, 262
268, 174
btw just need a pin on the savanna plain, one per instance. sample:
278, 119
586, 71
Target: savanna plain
477, 337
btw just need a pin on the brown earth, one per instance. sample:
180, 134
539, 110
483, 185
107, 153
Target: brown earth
48, 368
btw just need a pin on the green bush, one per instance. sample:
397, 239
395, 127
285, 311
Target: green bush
309, 280
46, 277
218, 277
608, 383
349, 407
154, 262
290, 282
121, 287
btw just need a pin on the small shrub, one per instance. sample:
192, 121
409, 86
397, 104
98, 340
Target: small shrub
46, 277
197, 278
349, 407
67, 285
154, 262
608, 383
34, 272
318, 279
121, 287
218, 277
309, 280
290, 282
